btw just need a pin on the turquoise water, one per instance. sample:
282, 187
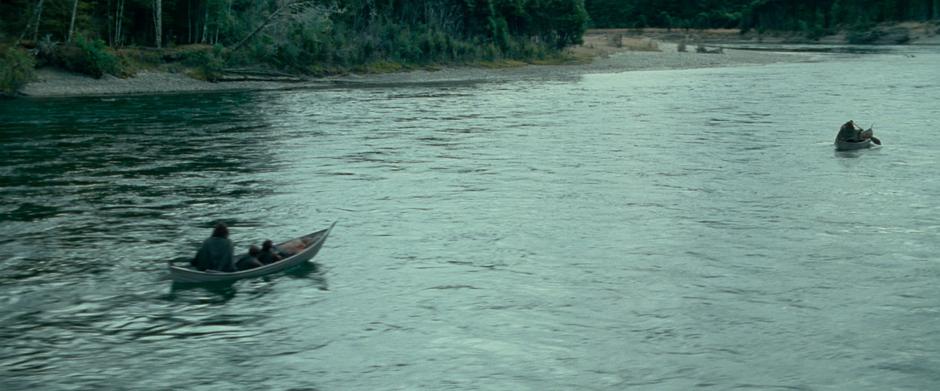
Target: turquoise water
663, 230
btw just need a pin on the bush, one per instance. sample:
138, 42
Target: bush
16, 69
99, 58
816, 32
863, 37
90, 57
206, 61
141, 58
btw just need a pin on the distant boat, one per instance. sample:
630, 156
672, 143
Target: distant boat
299, 250
868, 139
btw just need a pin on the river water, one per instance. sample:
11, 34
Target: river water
663, 230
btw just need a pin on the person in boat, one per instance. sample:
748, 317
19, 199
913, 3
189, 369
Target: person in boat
250, 261
853, 133
268, 254
216, 252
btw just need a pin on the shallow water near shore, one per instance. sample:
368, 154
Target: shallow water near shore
642, 230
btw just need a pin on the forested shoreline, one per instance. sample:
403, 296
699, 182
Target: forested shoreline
308, 37
321, 37
298, 36
809, 16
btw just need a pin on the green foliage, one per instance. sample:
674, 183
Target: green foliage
859, 37
88, 56
817, 16
205, 62
99, 58
668, 14
139, 58
16, 69
313, 35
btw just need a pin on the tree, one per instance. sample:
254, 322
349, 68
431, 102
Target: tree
33, 23
72, 23
118, 38
158, 22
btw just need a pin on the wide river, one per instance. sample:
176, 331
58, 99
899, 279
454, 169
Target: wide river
664, 230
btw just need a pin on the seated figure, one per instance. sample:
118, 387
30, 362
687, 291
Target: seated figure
216, 252
852, 132
250, 261
268, 254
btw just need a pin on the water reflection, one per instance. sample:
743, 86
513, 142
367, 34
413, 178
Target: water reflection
212, 292
856, 153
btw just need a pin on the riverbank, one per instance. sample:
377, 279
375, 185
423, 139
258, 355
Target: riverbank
902, 33
601, 52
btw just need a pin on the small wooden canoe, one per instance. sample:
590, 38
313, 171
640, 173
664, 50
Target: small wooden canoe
842, 145
302, 249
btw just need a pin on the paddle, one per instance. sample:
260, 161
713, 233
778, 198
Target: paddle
872, 137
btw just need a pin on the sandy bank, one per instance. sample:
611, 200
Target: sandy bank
52, 82
607, 57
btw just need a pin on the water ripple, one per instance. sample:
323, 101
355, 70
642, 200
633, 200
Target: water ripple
600, 232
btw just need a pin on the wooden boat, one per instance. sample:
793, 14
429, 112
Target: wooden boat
843, 145
300, 250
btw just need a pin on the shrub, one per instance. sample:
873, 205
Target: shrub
898, 36
206, 61
16, 69
816, 32
615, 40
91, 57
141, 58
46, 50
863, 37
99, 58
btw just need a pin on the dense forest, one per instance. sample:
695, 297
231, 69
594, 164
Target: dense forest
810, 16
306, 35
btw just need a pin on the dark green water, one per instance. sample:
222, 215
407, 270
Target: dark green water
664, 230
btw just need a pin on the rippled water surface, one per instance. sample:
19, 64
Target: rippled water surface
643, 230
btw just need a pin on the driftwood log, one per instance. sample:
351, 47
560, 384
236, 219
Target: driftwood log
242, 74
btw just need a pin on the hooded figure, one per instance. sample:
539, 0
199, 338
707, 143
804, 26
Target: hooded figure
216, 252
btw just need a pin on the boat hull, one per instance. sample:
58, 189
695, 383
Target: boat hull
853, 145
308, 246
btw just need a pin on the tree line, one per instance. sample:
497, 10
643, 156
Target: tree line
791, 15
295, 32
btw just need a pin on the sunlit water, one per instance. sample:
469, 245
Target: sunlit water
651, 230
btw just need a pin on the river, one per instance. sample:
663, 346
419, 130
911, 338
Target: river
663, 230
